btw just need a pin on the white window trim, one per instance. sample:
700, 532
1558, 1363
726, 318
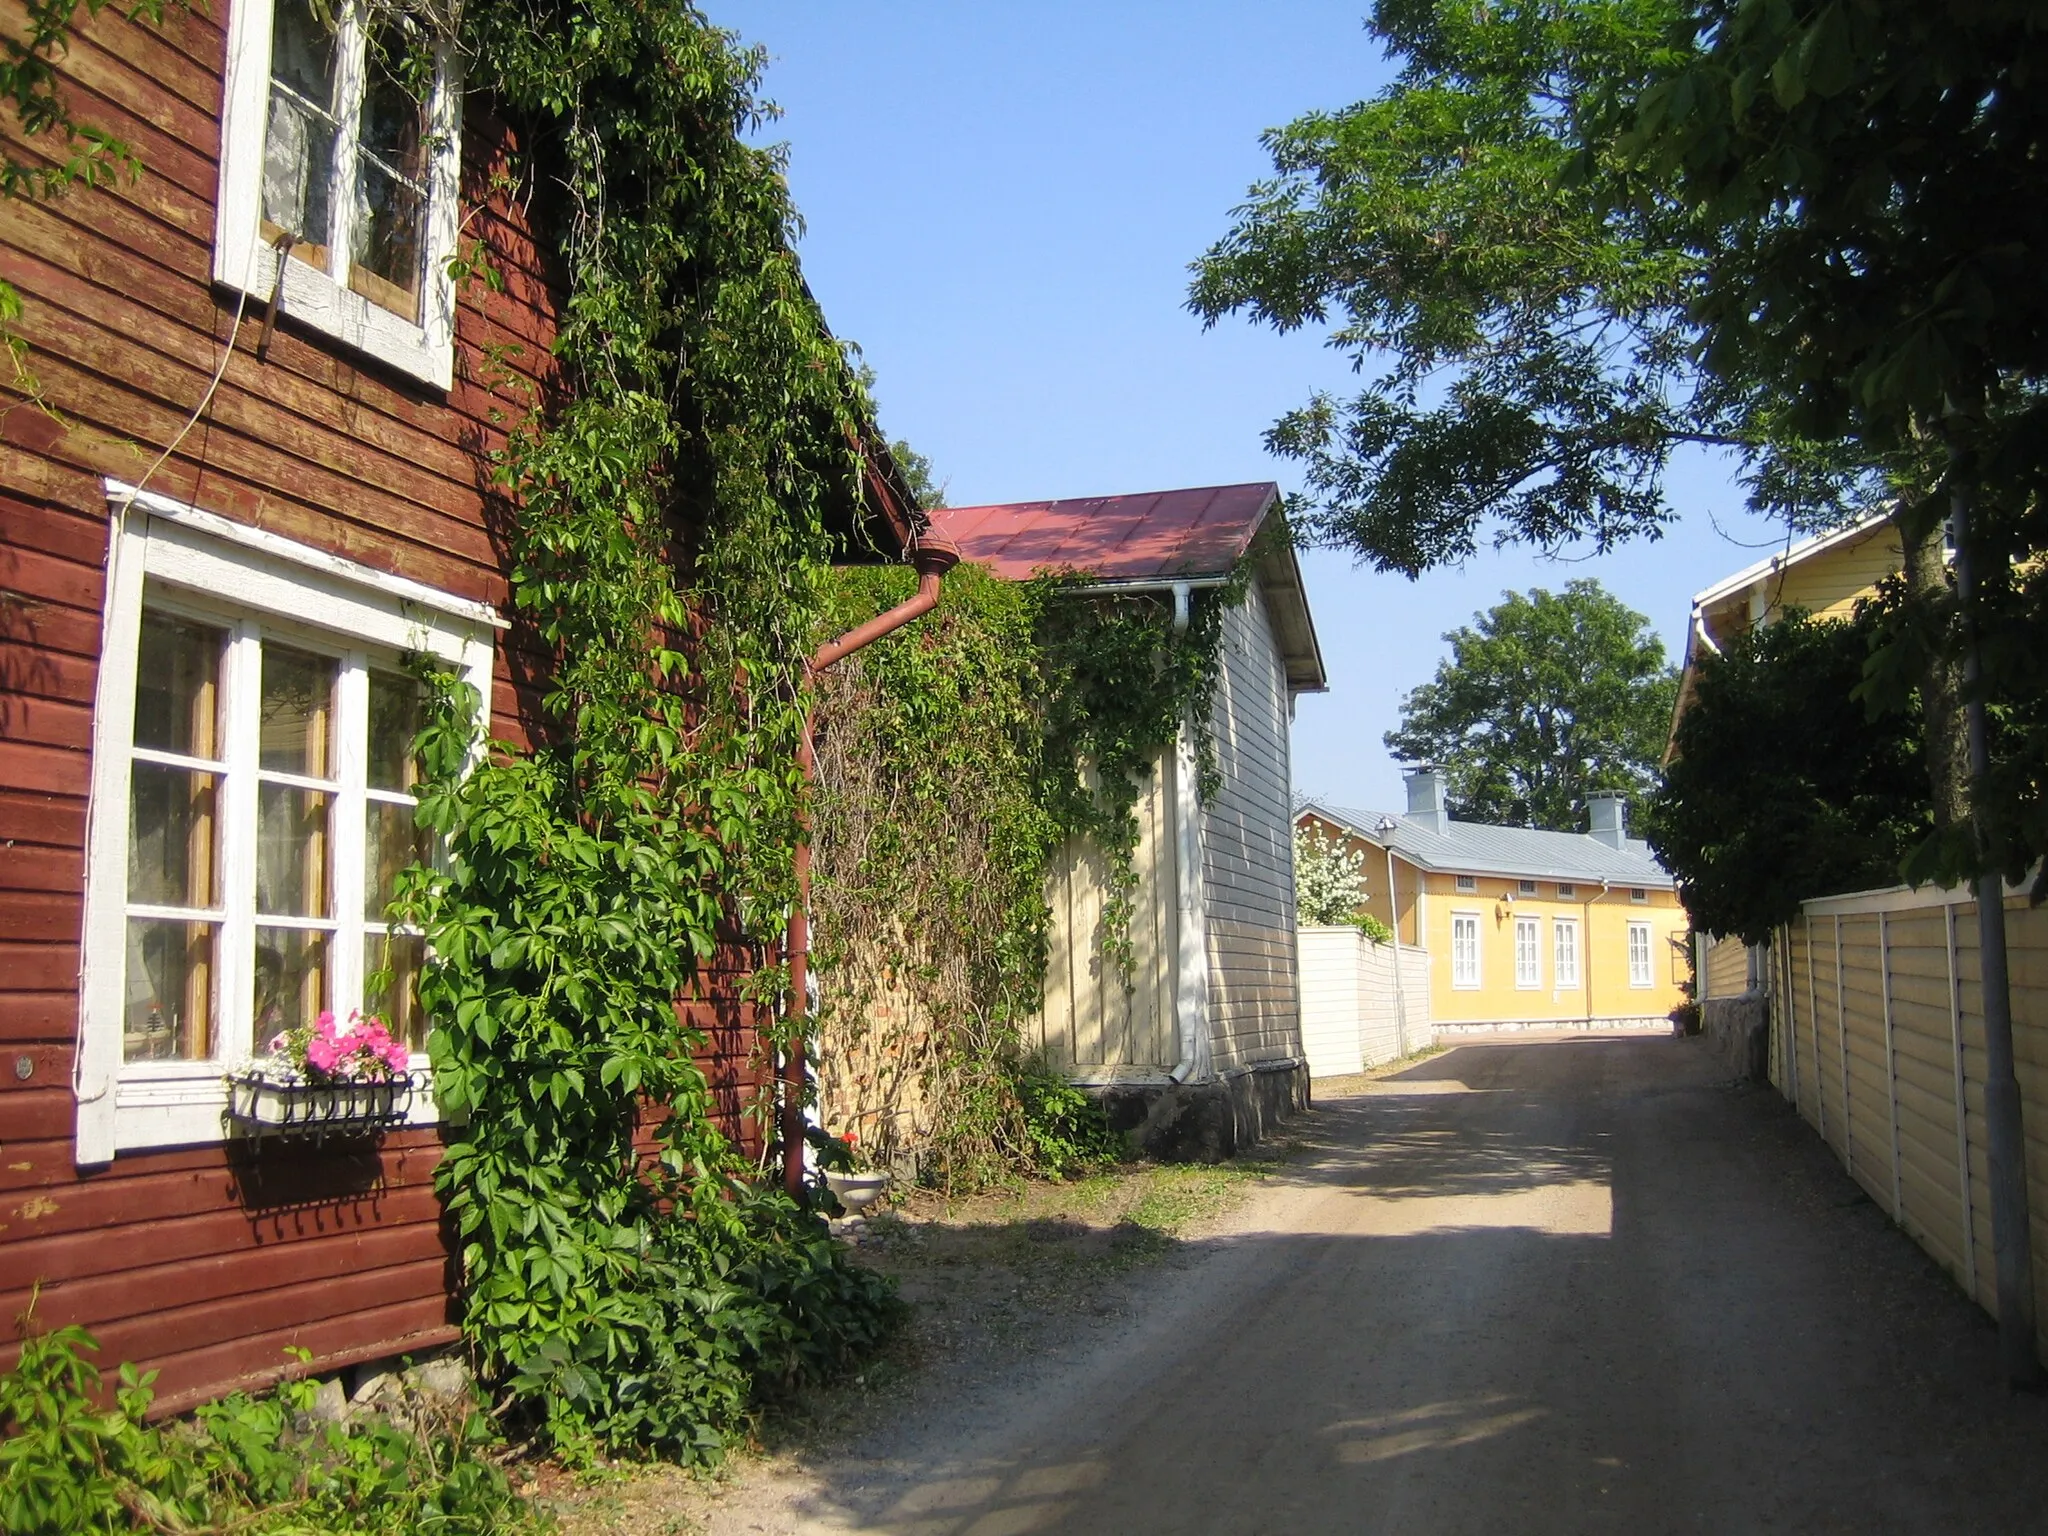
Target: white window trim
244, 262
159, 1104
1565, 980
1478, 951
1465, 885
1648, 975
1533, 927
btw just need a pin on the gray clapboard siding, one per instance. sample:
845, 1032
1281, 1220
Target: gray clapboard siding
1248, 851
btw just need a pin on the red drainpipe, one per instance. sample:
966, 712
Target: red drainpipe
933, 557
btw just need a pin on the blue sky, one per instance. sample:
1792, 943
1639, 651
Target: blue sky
1001, 203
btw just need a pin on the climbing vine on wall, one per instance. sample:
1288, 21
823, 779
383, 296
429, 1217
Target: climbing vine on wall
666, 517
955, 760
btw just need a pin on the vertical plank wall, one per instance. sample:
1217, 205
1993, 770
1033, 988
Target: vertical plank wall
1094, 1016
1907, 1115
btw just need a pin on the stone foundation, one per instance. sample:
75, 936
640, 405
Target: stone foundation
1204, 1122
1738, 1031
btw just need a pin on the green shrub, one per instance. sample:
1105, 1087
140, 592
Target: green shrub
1374, 929
1069, 1132
72, 1465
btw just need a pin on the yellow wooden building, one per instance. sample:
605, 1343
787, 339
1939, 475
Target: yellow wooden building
1522, 928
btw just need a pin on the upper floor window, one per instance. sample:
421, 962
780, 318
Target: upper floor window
1468, 883
1637, 894
1566, 888
1525, 887
339, 163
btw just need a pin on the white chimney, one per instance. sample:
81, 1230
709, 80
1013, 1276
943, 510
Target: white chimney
1427, 787
1608, 816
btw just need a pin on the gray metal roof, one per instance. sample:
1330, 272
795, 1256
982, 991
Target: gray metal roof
1471, 848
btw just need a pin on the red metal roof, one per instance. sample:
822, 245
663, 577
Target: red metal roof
1159, 535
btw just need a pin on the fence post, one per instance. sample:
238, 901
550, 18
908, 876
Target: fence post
1820, 1098
1955, 1032
1891, 1065
1842, 1045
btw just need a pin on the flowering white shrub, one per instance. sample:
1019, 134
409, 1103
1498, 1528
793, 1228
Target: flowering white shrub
1329, 880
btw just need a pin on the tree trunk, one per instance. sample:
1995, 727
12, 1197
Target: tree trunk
1944, 735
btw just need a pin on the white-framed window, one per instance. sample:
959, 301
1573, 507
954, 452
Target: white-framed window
251, 808
1638, 895
1465, 949
1564, 951
1566, 889
1467, 884
328, 155
1639, 974
1528, 952
1525, 887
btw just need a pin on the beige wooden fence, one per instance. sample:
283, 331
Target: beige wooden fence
1877, 1035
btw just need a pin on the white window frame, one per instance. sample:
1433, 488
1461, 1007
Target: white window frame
1564, 945
1529, 947
1525, 887
1640, 938
195, 562
1467, 885
1566, 889
1639, 895
244, 262
1462, 978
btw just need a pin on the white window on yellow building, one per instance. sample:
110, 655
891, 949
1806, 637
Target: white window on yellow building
1528, 953
1468, 883
1639, 955
1465, 949
1565, 951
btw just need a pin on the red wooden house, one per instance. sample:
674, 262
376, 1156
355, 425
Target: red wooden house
217, 535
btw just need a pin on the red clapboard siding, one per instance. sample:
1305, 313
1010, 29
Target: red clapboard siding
206, 1263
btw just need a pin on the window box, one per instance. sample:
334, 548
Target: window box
269, 1103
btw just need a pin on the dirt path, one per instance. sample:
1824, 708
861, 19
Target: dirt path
1541, 1286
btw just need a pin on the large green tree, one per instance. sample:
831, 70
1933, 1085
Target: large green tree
1865, 187
1524, 329
1546, 698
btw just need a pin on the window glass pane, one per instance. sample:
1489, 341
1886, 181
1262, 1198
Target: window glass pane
396, 842
390, 192
298, 712
291, 979
291, 851
177, 686
394, 722
171, 836
298, 145
391, 975
169, 1015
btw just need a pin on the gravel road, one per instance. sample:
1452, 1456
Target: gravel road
1546, 1285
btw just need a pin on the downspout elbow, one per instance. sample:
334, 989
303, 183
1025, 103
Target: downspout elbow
934, 556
